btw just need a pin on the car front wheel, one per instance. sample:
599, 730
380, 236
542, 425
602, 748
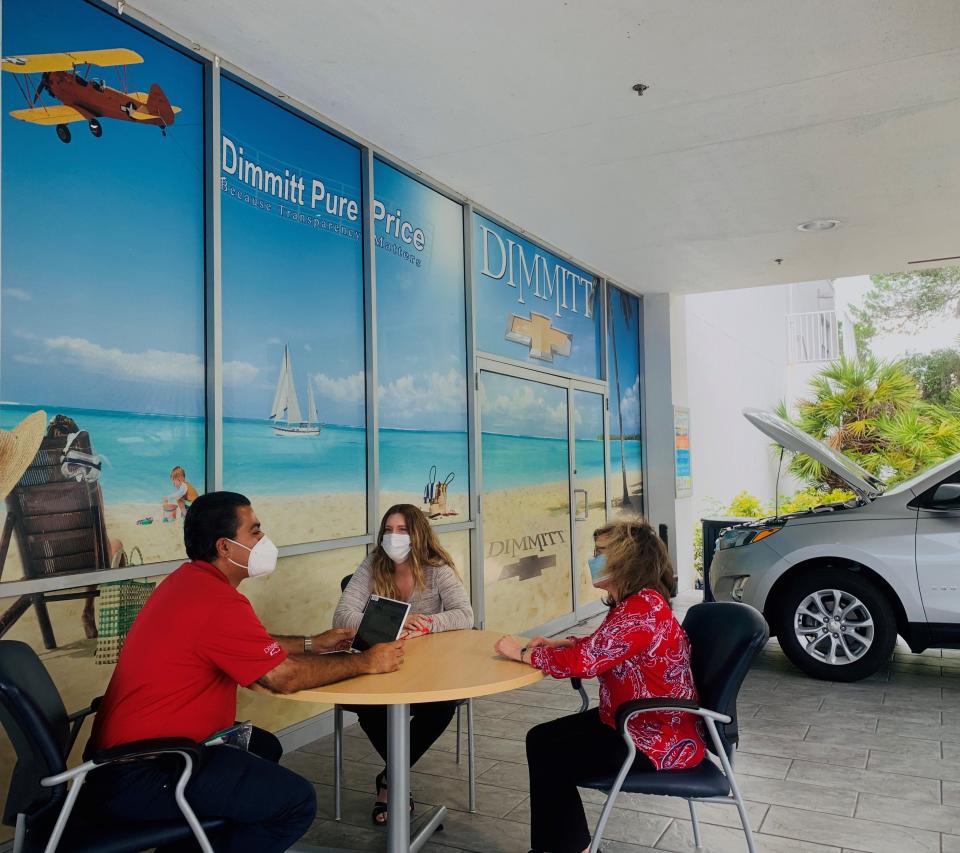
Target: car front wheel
835, 625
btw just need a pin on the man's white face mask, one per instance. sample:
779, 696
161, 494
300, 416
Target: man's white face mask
262, 560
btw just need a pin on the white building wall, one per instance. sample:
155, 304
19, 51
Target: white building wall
737, 358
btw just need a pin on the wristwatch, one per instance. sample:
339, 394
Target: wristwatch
524, 649
307, 645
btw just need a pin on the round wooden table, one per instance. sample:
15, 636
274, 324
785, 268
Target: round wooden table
443, 667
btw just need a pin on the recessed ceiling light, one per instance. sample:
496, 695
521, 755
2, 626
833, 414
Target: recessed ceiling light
818, 225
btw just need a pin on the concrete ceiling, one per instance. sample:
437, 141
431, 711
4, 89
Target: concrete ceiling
760, 114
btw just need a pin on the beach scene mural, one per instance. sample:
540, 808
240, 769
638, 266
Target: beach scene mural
101, 318
526, 502
421, 346
625, 480
532, 306
294, 437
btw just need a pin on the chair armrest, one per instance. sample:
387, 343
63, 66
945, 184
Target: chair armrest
85, 712
146, 749
644, 706
577, 684
76, 720
127, 752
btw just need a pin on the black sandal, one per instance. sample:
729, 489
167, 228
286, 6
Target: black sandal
380, 809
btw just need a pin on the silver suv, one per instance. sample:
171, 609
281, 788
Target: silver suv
837, 583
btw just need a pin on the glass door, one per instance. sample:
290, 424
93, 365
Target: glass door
543, 493
589, 487
525, 500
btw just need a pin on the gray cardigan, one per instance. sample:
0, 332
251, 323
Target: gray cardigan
442, 597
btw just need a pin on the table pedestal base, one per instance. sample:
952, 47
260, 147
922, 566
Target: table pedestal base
398, 785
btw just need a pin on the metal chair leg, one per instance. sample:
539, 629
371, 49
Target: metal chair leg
20, 833
744, 820
458, 732
612, 795
471, 764
337, 759
734, 787
697, 840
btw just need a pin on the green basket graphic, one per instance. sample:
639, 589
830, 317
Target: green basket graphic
118, 605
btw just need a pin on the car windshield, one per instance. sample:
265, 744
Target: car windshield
907, 485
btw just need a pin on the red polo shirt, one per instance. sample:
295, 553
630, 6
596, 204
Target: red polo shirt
195, 640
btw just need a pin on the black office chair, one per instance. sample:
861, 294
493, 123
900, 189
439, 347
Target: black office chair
43, 791
725, 638
338, 746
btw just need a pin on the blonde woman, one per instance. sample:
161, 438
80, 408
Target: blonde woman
409, 564
640, 651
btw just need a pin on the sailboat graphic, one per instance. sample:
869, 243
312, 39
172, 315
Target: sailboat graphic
286, 405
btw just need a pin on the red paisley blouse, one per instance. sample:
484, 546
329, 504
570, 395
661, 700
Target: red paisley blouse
638, 652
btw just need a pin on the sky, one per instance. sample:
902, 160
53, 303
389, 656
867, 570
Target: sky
512, 406
939, 333
102, 238
420, 311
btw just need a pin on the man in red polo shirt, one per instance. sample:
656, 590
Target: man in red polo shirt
195, 640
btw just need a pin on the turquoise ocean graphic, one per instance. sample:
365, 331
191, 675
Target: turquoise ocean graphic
139, 450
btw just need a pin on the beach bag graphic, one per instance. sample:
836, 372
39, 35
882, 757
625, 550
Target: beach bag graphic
435, 494
119, 604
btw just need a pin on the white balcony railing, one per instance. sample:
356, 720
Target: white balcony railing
813, 336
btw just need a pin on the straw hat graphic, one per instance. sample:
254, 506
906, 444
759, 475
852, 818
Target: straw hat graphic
17, 449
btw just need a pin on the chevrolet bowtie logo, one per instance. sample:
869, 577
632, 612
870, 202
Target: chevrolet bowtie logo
528, 567
537, 332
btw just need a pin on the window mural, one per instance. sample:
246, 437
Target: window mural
532, 306
294, 433
421, 347
623, 373
102, 292
526, 502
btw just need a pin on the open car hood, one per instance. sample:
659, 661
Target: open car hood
787, 435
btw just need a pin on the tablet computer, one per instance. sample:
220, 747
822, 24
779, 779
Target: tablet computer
382, 622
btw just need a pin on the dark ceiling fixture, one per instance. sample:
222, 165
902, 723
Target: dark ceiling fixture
935, 260
640, 88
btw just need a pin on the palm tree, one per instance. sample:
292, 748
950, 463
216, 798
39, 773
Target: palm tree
872, 411
625, 308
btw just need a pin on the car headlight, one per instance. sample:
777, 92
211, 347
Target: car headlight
737, 536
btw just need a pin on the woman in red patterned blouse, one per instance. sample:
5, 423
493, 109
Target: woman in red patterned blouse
638, 652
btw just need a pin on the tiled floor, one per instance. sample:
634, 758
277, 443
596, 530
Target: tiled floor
872, 766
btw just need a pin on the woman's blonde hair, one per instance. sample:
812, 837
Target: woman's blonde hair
425, 550
636, 559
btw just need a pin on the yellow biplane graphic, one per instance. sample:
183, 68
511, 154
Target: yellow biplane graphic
85, 98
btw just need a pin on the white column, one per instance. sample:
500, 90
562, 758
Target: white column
665, 381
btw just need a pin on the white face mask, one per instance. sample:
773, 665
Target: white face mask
396, 546
262, 559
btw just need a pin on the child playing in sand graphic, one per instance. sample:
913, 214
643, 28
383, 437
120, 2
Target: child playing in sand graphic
184, 494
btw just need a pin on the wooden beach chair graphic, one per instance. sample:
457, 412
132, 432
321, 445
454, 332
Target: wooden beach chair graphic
56, 512
435, 495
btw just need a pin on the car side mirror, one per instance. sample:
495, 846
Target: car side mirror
945, 496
